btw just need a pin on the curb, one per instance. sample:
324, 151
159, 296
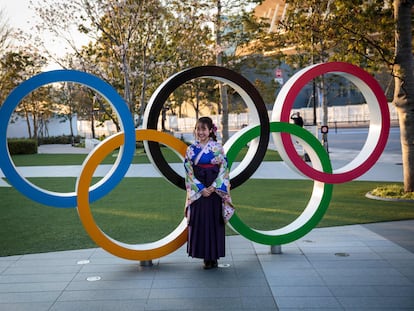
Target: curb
374, 197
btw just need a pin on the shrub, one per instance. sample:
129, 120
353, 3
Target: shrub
22, 146
392, 191
58, 140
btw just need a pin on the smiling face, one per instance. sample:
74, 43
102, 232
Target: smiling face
202, 133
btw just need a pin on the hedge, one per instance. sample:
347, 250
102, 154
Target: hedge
59, 140
22, 146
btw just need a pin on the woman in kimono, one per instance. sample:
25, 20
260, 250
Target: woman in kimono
207, 184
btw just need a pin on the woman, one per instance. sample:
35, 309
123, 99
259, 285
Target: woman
207, 184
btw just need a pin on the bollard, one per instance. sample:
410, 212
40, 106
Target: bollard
145, 263
276, 249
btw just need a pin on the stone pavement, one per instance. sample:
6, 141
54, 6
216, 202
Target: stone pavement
337, 268
358, 267
388, 168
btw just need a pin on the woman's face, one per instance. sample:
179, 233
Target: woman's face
202, 133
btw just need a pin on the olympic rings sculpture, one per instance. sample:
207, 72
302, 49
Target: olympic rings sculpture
256, 135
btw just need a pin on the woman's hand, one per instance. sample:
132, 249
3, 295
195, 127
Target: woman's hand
206, 192
211, 189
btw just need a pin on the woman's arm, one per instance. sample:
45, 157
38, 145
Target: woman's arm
222, 182
193, 186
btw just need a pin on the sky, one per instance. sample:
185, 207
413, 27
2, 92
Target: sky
19, 15
17, 12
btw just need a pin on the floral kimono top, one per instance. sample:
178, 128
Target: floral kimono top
211, 153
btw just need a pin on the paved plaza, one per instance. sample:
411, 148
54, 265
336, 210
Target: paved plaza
357, 267
338, 268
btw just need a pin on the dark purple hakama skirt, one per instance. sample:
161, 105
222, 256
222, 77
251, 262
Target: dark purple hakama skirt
206, 229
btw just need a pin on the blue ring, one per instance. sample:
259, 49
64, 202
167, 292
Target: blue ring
106, 90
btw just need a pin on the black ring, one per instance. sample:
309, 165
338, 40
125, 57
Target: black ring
161, 95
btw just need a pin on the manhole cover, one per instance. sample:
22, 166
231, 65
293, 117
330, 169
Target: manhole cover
224, 265
83, 262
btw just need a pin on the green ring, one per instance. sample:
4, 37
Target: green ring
270, 237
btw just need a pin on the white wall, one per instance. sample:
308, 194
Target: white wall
54, 127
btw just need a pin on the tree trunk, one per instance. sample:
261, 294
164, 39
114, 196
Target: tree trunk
93, 117
404, 87
197, 105
34, 111
222, 87
35, 126
72, 137
143, 105
143, 88
127, 90
69, 103
29, 128
225, 111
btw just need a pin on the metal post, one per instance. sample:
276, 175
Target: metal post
146, 263
276, 249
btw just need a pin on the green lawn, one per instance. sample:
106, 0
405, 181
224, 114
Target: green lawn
145, 209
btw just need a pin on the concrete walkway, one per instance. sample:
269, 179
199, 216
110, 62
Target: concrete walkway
388, 168
358, 267
337, 268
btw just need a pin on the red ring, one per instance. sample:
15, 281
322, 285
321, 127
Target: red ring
294, 90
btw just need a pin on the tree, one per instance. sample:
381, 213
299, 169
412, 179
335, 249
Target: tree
322, 30
65, 104
404, 86
375, 35
5, 33
131, 29
112, 27
134, 44
222, 86
190, 21
16, 67
230, 35
37, 110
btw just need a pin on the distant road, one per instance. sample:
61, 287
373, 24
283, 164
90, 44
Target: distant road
354, 139
349, 139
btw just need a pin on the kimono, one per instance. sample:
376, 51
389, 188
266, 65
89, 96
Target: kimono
205, 166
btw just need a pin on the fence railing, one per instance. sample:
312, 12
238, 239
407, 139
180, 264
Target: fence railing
340, 116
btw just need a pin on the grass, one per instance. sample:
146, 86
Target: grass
142, 210
382, 191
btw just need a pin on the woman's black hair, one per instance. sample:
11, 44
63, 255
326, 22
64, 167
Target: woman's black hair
207, 121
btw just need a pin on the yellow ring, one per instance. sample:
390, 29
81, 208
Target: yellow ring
146, 251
